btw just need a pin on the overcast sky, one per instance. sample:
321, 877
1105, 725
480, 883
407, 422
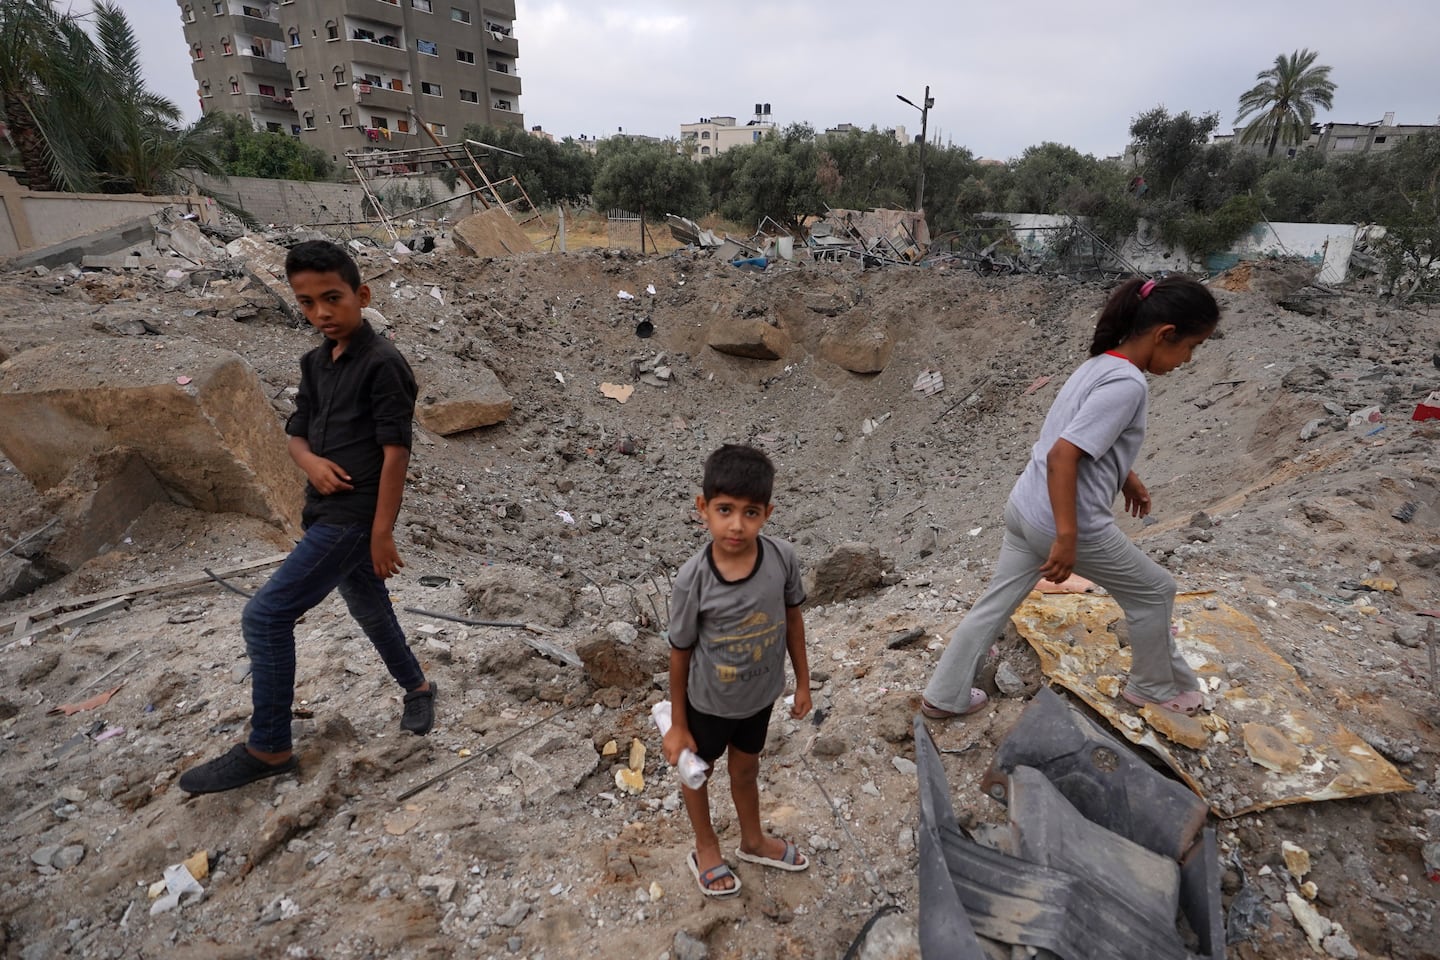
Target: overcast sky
1003, 75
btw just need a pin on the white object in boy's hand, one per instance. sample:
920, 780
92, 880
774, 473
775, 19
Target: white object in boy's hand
691, 768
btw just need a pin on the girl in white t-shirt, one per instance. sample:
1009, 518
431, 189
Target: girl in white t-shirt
1060, 519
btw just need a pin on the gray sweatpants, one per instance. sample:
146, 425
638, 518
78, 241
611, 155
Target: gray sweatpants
1144, 590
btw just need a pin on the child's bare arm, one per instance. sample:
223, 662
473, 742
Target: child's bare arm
383, 552
1062, 466
679, 737
326, 476
795, 644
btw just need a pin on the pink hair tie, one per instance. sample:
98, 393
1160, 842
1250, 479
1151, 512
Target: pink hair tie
1145, 288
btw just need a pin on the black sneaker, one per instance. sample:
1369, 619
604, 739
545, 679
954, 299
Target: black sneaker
420, 710
234, 769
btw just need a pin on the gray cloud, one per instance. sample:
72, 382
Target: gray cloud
1003, 76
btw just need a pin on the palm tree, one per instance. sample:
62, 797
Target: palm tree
1284, 101
45, 92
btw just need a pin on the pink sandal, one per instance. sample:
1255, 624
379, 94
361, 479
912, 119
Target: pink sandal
1188, 703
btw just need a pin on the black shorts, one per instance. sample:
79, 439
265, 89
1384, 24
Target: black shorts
713, 734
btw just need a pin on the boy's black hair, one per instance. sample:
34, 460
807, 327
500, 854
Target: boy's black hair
739, 471
1138, 305
322, 256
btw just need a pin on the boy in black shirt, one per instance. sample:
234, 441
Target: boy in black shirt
351, 435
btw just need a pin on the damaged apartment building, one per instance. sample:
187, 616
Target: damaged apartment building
351, 75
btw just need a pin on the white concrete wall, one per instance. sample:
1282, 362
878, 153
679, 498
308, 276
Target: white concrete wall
307, 203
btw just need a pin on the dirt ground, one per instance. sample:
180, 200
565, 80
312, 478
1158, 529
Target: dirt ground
531, 850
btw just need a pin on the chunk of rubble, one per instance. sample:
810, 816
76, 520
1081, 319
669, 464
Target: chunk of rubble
752, 339
848, 571
491, 233
1176, 727
213, 444
857, 345
1270, 748
1297, 859
448, 408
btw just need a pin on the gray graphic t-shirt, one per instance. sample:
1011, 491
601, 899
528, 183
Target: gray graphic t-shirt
737, 629
1101, 409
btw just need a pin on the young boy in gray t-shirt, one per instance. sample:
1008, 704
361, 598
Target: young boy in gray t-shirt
734, 613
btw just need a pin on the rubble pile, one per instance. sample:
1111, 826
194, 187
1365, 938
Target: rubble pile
551, 491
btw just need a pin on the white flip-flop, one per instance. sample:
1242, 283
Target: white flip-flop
787, 862
717, 872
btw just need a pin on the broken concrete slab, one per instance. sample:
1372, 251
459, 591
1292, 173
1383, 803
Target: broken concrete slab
96, 503
447, 407
1246, 682
752, 339
112, 261
265, 264
213, 444
491, 233
132, 234
186, 238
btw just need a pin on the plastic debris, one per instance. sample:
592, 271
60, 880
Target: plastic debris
99, 700
619, 392
177, 886
625, 295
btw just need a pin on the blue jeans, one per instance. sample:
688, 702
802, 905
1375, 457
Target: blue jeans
327, 557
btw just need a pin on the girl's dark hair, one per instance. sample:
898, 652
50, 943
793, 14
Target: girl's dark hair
322, 256
1179, 301
738, 471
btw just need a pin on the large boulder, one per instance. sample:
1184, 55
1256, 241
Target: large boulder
753, 339
448, 406
212, 442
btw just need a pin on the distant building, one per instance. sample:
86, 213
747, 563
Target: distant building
897, 132
715, 135
540, 134
1329, 138
346, 75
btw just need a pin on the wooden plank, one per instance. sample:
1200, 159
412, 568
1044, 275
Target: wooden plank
163, 586
79, 618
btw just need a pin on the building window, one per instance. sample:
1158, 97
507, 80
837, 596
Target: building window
397, 84
272, 127
373, 79
309, 121
705, 151
339, 76
380, 123
403, 126
295, 129
436, 128
198, 51
470, 96
301, 83
234, 85
705, 135
428, 47
421, 5
266, 90
332, 30
503, 105
254, 12
189, 13
294, 37
1379, 139
225, 47
465, 56
499, 66
431, 89
345, 118
219, 8
205, 89
459, 16
1344, 143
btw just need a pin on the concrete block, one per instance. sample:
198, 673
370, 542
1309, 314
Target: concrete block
857, 346
452, 407
214, 443
111, 261
96, 503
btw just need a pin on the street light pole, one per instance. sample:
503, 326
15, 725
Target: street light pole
924, 108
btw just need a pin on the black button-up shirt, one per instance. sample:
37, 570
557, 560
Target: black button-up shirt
348, 409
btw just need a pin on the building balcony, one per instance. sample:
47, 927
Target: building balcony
383, 55
264, 68
257, 27
383, 98
502, 83
276, 104
501, 45
504, 9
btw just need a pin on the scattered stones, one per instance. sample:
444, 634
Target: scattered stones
687, 947
514, 915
